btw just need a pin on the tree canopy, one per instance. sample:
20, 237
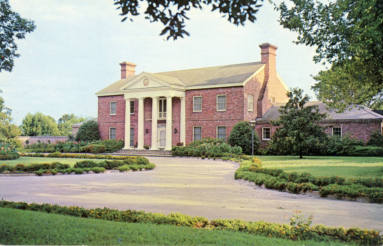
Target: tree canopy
66, 121
172, 14
39, 125
298, 124
241, 135
348, 36
12, 27
8, 131
88, 131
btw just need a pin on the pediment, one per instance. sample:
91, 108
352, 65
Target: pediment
145, 81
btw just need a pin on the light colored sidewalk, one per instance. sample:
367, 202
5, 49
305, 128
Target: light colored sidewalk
189, 186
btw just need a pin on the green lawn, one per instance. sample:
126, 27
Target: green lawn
29, 227
31, 160
348, 167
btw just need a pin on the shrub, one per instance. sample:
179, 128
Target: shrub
8, 152
94, 148
240, 136
376, 139
88, 131
85, 164
368, 151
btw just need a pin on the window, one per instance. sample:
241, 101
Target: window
197, 104
112, 133
250, 103
131, 137
162, 109
221, 132
197, 133
131, 107
113, 107
337, 131
266, 133
221, 103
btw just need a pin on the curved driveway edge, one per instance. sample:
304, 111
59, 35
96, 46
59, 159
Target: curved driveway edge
190, 186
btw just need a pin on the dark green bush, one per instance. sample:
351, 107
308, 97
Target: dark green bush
368, 151
240, 136
88, 131
376, 139
94, 148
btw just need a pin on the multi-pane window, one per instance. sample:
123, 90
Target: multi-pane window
162, 108
112, 133
250, 103
132, 107
221, 132
131, 137
113, 108
197, 104
266, 133
337, 131
221, 103
197, 133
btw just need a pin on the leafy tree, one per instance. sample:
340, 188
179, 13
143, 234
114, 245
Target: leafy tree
88, 131
65, 123
12, 27
348, 36
173, 14
8, 131
240, 135
39, 125
298, 122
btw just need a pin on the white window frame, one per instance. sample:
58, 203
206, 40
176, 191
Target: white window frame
263, 134
250, 106
130, 106
341, 131
194, 110
194, 132
162, 114
221, 95
217, 133
110, 108
115, 132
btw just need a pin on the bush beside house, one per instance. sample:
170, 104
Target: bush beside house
88, 131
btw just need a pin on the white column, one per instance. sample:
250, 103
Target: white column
140, 144
169, 126
127, 123
154, 122
182, 121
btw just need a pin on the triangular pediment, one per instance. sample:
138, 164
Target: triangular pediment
145, 81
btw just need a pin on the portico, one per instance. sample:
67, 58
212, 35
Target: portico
160, 121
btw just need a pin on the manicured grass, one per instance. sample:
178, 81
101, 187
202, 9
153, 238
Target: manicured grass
344, 166
27, 227
32, 160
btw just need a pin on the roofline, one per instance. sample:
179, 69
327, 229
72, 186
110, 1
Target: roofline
329, 121
109, 94
196, 87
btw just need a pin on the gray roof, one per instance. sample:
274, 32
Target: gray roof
189, 78
356, 113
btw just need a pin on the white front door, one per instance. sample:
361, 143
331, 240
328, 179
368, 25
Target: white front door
161, 136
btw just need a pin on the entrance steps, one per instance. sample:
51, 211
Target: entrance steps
146, 152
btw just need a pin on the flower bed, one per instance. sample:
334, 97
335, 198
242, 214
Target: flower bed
296, 230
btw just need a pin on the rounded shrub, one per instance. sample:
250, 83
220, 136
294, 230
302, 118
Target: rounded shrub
88, 131
240, 136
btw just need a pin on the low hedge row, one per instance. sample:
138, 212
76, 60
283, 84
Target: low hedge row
294, 231
74, 155
9, 156
69, 171
133, 163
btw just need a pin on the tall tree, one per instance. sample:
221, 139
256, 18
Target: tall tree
8, 131
173, 13
66, 121
39, 125
348, 36
298, 124
12, 27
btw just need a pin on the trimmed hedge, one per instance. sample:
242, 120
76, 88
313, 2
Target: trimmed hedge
9, 156
294, 231
74, 155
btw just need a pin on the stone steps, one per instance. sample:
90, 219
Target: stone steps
134, 152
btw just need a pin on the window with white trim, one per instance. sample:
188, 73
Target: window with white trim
131, 107
221, 132
337, 131
221, 102
112, 133
162, 109
266, 133
197, 133
197, 104
113, 108
250, 103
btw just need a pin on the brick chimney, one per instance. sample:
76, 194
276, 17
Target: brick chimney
128, 69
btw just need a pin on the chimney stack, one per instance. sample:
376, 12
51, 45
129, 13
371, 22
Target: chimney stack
268, 57
128, 69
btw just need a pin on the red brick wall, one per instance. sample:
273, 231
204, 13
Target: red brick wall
106, 121
252, 87
210, 118
357, 130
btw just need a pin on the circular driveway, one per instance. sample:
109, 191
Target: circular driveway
189, 186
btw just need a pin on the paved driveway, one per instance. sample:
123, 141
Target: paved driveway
190, 186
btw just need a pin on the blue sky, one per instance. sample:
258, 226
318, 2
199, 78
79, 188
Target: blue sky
78, 45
